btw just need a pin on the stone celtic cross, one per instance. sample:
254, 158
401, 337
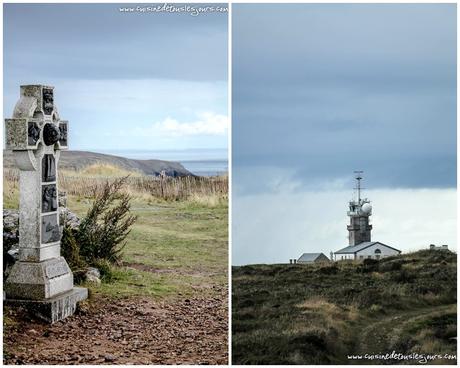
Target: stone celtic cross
41, 279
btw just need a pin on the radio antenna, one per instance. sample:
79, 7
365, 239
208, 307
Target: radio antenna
358, 183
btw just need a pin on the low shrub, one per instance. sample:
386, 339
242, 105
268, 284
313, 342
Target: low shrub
368, 265
107, 224
394, 265
70, 249
403, 276
98, 241
328, 270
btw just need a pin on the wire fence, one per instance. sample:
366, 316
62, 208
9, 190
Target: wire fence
164, 187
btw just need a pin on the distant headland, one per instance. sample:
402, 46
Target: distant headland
78, 160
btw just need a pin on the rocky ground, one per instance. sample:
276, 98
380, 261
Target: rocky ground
125, 331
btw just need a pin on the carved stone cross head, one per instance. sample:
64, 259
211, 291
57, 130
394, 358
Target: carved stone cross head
36, 125
36, 135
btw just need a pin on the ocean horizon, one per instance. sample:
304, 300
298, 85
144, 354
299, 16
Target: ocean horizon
199, 161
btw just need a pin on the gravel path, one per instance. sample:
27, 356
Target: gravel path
125, 331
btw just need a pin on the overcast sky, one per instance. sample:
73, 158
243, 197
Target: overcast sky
325, 89
322, 90
144, 80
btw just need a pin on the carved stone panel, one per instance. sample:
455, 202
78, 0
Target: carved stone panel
48, 101
49, 198
50, 229
48, 168
63, 133
33, 133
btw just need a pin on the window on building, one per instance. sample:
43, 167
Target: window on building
377, 256
369, 256
377, 251
361, 257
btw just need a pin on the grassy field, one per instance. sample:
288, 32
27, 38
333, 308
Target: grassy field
176, 248
164, 302
320, 314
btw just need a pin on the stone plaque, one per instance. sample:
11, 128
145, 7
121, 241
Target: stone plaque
50, 229
63, 133
56, 269
33, 133
48, 101
49, 198
48, 168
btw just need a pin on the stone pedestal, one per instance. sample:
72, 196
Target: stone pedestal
41, 280
52, 309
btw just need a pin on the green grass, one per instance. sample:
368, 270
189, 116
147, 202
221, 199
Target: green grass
178, 248
316, 314
174, 248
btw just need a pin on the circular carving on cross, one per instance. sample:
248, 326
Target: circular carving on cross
51, 134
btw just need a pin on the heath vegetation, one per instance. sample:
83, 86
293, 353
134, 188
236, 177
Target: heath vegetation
320, 314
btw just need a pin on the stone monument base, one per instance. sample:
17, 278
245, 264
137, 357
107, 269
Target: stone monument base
39, 280
53, 309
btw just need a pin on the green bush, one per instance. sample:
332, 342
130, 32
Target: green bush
98, 241
105, 268
70, 249
107, 224
71, 252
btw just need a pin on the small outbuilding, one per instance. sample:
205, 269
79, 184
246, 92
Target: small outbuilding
440, 247
313, 258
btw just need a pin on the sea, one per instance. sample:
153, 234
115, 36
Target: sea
199, 161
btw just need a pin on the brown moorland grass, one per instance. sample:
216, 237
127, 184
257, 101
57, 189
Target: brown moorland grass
320, 314
86, 182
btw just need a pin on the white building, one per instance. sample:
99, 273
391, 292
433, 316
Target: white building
360, 245
364, 250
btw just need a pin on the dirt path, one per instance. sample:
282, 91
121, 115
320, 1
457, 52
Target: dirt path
126, 331
376, 336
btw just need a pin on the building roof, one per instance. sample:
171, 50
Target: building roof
356, 248
309, 257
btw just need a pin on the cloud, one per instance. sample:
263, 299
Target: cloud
325, 89
120, 113
208, 124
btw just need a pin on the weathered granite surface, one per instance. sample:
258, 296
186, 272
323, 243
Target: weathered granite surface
53, 309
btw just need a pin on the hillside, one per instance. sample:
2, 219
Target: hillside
320, 314
77, 160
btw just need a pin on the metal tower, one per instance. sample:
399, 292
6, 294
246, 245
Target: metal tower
359, 212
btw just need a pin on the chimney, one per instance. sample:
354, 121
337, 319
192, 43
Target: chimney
444, 246
432, 246
295, 261
290, 261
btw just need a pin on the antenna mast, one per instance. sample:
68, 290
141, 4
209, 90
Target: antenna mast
358, 184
